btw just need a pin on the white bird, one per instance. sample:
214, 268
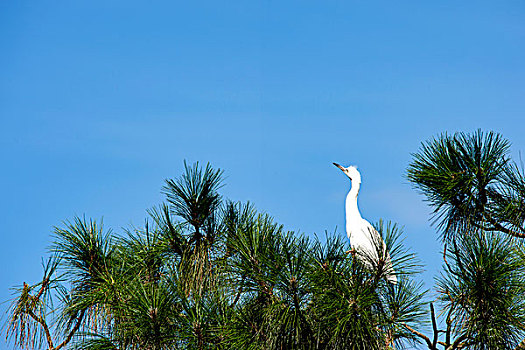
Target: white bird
366, 242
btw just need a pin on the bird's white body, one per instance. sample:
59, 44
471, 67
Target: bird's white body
364, 238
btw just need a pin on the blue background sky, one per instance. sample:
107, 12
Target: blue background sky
100, 101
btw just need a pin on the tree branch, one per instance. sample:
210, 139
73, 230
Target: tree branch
49, 339
434, 326
499, 227
457, 343
449, 325
239, 292
44, 326
73, 331
421, 335
45, 282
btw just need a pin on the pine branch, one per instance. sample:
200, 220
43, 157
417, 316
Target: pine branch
47, 332
457, 343
73, 331
434, 326
239, 292
43, 323
449, 325
499, 227
420, 335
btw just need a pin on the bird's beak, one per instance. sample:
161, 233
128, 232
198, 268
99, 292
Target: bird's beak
340, 167
343, 169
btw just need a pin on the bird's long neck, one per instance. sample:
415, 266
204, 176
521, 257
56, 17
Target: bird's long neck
352, 211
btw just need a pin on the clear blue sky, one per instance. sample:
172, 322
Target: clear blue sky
100, 101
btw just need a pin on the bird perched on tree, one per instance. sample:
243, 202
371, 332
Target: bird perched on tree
366, 242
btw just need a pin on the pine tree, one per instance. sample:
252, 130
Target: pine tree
478, 196
208, 273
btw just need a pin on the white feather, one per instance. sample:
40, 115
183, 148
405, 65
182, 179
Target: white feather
364, 238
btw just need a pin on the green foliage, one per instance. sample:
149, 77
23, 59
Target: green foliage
194, 198
207, 273
204, 273
366, 311
483, 288
478, 195
460, 175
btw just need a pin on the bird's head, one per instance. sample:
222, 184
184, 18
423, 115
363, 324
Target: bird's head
351, 172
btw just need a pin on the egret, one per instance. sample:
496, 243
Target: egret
366, 242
